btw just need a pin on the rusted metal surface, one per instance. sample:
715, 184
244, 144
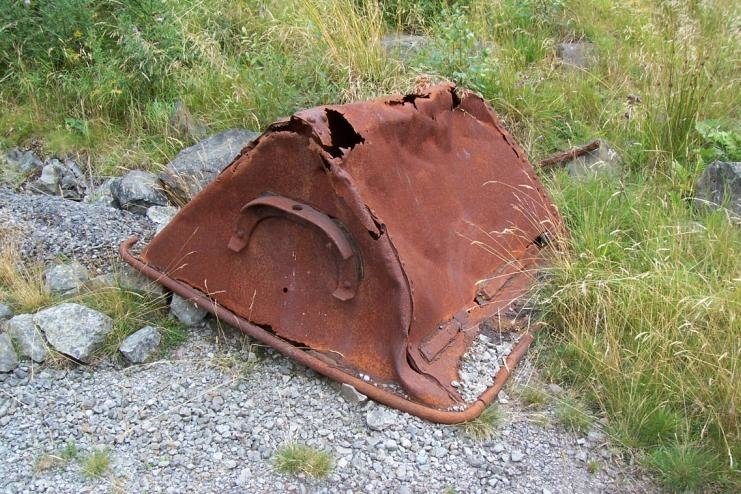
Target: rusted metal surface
369, 241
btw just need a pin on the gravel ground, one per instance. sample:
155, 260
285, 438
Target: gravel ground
204, 420
51, 227
210, 416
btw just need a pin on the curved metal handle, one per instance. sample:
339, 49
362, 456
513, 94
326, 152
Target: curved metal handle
350, 272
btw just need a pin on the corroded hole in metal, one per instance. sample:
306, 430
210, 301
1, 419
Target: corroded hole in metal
342, 133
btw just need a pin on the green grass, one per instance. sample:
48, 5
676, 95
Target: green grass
295, 458
573, 416
533, 397
70, 451
684, 467
97, 463
485, 425
131, 310
642, 299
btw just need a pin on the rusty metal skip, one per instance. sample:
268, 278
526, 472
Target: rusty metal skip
371, 241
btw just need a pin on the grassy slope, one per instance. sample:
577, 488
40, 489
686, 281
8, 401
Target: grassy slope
644, 300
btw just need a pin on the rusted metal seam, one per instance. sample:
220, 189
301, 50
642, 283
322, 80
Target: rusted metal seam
373, 392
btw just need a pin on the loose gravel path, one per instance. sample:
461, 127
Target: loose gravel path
205, 420
210, 416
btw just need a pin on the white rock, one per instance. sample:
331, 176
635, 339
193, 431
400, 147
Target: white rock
352, 395
137, 347
30, 341
66, 278
186, 311
74, 329
379, 418
8, 357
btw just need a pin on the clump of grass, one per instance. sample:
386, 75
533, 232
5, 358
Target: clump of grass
534, 397
97, 463
295, 458
21, 284
684, 467
593, 466
483, 427
70, 451
131, 310
49, 461
573, 415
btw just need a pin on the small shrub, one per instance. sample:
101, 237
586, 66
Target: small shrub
297, 458
573, 416
683, 467
97, 463
483, 427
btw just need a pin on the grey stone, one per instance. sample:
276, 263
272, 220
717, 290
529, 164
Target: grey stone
720, 186
23, 162
380, 418
102, 195
62, 179
578, 54
197, 166
137, 191
603, 161
352, 395
66, 278
516, 456
29, 340
8, 357
138, 346
185, 125
554, 389
74, 329
404, 45
51, 176
6, 312
186, 311
161, 215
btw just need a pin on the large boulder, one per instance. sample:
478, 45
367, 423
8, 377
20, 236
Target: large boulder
74, 329
720, 186
8, 357
197, 166
137, 347
29, 340
66, 279
137, 191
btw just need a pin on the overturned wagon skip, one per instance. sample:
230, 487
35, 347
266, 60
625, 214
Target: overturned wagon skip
372, 242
